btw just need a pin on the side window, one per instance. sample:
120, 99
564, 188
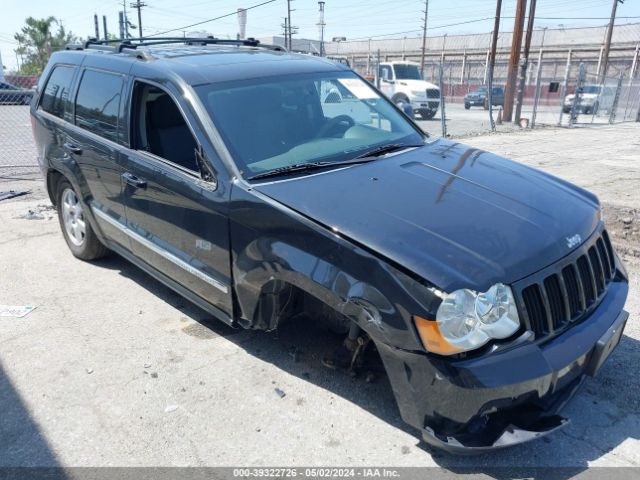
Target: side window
158, 127
385, 72
56, 92
98, 103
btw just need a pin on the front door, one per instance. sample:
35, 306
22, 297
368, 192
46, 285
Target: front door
178, 222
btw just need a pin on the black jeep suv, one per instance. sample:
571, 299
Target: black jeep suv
235, 174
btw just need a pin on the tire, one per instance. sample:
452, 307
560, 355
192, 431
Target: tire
399, 100
427, 114
77, 231
566, 110
467, 106
595, 108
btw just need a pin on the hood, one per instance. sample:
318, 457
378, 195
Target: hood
476, 94
456, 216
417, 84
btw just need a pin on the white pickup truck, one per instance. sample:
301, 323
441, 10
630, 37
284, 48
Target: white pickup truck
402, 82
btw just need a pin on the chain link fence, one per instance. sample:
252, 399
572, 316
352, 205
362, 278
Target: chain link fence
458, 67
17, 148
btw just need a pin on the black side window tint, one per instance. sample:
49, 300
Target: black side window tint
98, 103
56, 93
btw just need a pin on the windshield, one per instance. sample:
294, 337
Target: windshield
275, 122
407, 72
591, 89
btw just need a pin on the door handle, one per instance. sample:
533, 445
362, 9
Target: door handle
73, 148
134, 181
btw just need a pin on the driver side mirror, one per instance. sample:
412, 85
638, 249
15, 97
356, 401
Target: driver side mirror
408, 110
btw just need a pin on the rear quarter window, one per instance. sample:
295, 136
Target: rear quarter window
98, 103
56, 92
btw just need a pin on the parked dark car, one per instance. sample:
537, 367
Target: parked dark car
218, 168
480, 98
12, 95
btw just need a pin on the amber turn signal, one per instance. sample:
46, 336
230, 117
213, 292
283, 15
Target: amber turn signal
432, 339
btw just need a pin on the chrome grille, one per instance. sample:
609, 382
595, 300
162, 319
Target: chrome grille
566, 292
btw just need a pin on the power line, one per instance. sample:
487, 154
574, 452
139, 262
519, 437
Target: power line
211, 19
420, 30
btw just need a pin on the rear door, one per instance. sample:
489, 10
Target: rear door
95, 144
178, 222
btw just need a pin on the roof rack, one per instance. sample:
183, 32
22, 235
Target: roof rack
120, 45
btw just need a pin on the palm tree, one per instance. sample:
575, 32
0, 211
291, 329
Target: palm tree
37, 41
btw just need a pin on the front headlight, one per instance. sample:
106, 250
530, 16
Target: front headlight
418, 93
467, 320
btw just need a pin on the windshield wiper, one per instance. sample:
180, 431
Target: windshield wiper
365, 157
383, 149
296, 167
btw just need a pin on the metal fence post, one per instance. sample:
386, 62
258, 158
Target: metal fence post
576, 96
565, 85
490, 97
536, 97
443, 121
616, 98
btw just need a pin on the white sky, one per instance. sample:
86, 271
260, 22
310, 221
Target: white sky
349, 18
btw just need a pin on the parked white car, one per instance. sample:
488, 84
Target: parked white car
402, 82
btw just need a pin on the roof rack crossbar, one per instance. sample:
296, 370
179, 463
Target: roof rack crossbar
119, 44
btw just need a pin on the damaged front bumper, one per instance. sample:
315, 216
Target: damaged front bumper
507, 396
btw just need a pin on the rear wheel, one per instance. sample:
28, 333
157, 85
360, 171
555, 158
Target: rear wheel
427, 114
80, 237
467, 106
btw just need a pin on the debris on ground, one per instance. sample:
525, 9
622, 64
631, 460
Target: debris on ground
32, 215
16, 311
623, 225
154, 375
147, 365
89, 371
12, 194
171, 408
39, 212
279, 392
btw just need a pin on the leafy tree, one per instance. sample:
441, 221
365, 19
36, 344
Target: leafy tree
38, 39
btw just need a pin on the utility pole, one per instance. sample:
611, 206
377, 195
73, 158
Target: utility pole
126, 20
121, 24
321, 25
138, 5
491, 60
104, 27
514, 59
525, 59
285, 25
424, 35
607, 44
288, 22
96, 25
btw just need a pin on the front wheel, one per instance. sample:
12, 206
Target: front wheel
427, 114
77, 232
467, 106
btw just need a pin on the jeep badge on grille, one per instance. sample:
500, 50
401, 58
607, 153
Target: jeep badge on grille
574, 241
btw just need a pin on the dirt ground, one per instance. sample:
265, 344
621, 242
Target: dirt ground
113, 369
